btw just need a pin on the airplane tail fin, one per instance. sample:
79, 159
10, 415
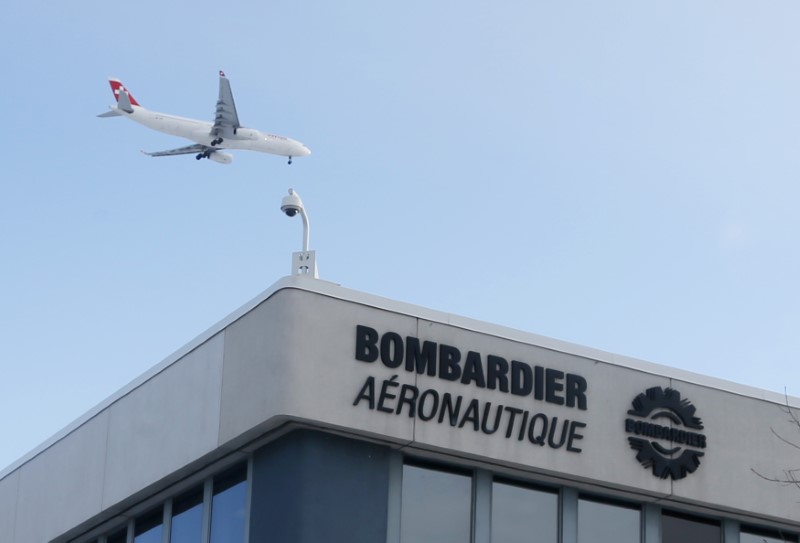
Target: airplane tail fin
122, 94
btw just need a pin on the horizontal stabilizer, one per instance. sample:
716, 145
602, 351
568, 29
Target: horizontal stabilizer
110, 113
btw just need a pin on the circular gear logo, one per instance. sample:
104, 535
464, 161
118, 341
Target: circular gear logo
665, 433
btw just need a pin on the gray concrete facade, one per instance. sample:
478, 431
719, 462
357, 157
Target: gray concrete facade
290, 357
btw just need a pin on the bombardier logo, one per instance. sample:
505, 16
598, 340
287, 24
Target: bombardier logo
662, 433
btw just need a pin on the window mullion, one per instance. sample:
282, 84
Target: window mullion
569, 515
208, 495
482, 507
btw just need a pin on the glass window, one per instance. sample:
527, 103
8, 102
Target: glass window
757, 535
523, 515
148, 527
187, 518
605, 522
435, 506
678, 528
118, 537
228, 507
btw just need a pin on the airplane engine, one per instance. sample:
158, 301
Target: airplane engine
222, 158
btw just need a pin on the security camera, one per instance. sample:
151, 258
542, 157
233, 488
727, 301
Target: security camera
303, 263
292, 204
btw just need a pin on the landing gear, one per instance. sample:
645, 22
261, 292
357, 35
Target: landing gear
204, 154
216, 142
199, 156
290, 160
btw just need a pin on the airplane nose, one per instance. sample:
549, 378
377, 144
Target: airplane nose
305, 150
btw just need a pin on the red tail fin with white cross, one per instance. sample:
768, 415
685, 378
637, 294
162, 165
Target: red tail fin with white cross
117, 86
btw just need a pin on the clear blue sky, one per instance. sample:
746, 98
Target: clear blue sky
619, 174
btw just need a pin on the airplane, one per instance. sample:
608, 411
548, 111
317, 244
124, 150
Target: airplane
210, 138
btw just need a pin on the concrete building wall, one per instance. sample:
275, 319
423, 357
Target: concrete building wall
167, 423
741, 443
151, 434
63, 485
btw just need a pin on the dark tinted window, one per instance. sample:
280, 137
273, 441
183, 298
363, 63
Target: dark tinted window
228, 507
757, 535
148, 528
436, 506
118, 537
679, 528
187, 518
608, 522
523, 515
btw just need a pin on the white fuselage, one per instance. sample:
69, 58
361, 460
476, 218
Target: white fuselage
248, 139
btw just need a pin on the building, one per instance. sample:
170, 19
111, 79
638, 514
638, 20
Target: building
316, 413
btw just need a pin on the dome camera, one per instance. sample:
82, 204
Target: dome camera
291, 204
303, 262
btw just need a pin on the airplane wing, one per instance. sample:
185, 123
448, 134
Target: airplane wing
226, 120
188, 150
